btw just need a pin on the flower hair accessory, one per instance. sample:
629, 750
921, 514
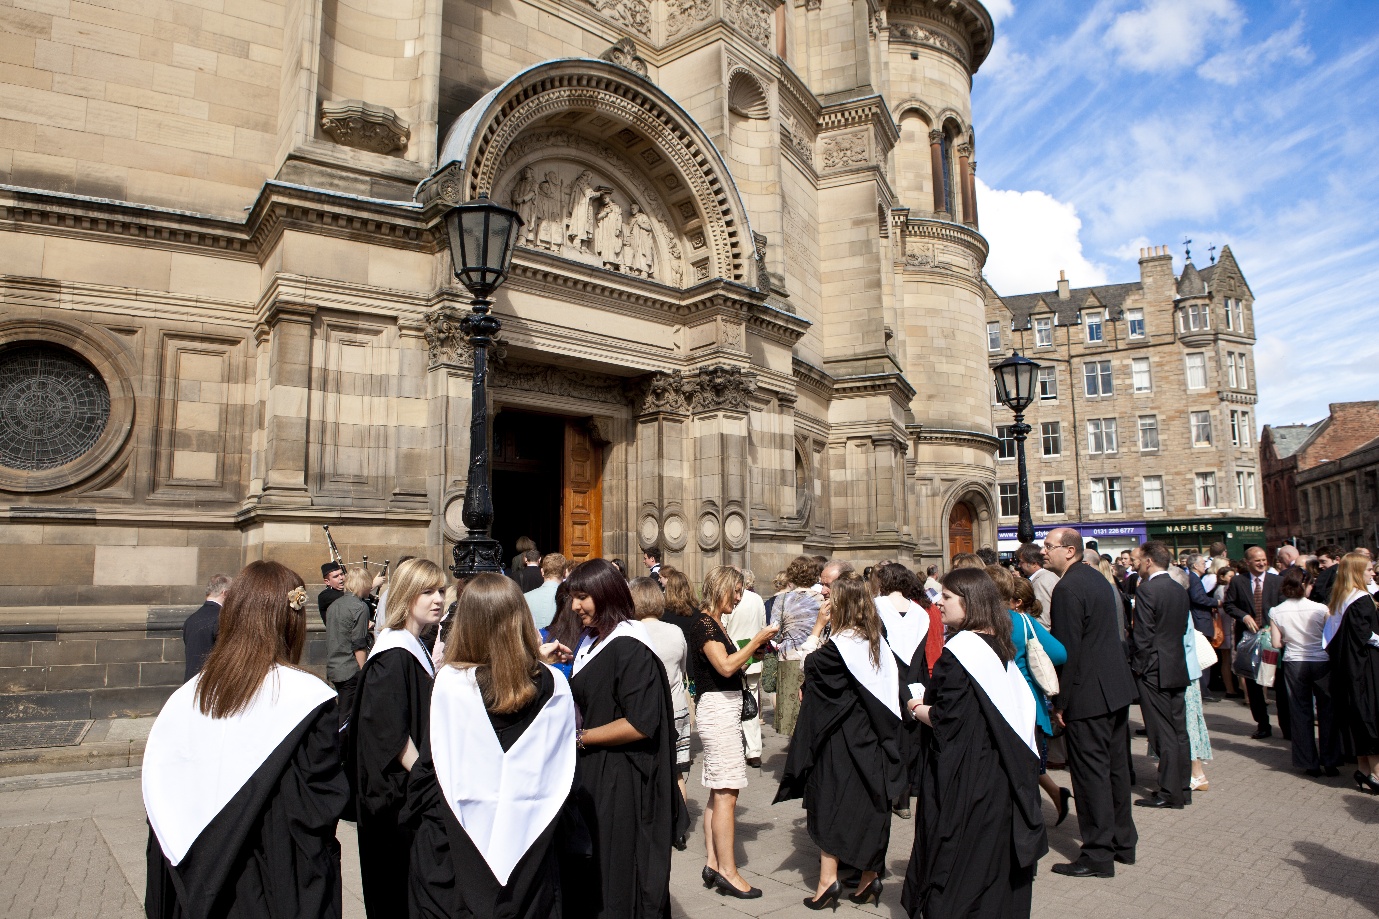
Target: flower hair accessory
296, 598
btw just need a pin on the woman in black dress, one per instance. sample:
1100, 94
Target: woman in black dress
1353, 649
392, 708
242, 778
489, 791
980, 830
845, 758
625, 785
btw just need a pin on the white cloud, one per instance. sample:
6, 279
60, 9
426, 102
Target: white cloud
1168, 35
999, 9
1232, 66
1033, 236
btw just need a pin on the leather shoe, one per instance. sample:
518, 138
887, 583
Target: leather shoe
1084, 869
1141, 732
1262, 733
1158, 802
1126, 859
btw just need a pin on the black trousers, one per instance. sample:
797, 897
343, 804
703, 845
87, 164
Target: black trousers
344, 694
1099, 764
1307, 685
1259, 707
1165, 720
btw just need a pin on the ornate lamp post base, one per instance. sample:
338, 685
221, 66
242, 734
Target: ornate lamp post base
477, 553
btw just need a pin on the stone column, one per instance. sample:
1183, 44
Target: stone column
285, 442
965, 183
972, 182
662, 468
936, 161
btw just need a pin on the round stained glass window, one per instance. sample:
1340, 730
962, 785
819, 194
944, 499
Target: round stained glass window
54, 406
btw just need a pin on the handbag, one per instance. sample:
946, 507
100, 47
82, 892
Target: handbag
769, 666
1040, 667
750, 708
1218, 635
1206, 651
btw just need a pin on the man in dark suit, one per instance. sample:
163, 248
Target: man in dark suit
1162, 610
201, 628
1248, 601
1203, 612
1093, 704
1327, 557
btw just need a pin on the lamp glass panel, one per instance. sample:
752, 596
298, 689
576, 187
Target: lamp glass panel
1004, 385
499, 226
1025, 379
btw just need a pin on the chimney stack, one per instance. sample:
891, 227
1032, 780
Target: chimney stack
1156, 271
1063, 293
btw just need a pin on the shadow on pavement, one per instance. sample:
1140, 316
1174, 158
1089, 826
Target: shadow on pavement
1338, 874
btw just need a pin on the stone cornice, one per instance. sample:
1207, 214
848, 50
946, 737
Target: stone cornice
809, 377
867, 111
966, 19
979, 439
1238, 398
928, 229
891, 384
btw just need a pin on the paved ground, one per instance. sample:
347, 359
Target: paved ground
1263, 842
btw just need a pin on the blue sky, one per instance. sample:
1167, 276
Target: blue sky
1106, 126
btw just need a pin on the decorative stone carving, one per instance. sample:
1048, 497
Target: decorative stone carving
845, 150
752, 18
559, 381
444, 338
636, 14
746, 96
563, 214
913, 33
354, 123
813, 6
712, 389
624, 54
686, 13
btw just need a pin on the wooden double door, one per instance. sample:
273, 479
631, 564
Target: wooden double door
960, 530
547, 484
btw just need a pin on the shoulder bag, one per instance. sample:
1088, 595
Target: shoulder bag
1040, 667
1206, 651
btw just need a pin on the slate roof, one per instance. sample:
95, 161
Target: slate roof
1190, 282
1111, 296
1290, 438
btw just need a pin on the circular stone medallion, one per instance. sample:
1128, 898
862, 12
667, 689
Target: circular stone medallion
54, 406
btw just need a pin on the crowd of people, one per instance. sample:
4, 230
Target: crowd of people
519, 744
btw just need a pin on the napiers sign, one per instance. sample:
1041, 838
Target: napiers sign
1088, 531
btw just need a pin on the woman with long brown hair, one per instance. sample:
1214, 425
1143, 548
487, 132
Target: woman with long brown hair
392, 711
242, 780
716, 665
626, 790
496, 768
980, 830
1352, 636
845, 759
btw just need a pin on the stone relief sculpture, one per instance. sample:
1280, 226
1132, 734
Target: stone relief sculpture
593, 222
608, 236
641, 244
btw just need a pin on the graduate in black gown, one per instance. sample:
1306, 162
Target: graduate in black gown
490, 791
242, 780
908, 626
625, 786
845, 758
1351, 634
980, 831
392, 710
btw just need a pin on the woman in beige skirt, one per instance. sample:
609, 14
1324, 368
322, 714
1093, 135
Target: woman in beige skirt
717, 664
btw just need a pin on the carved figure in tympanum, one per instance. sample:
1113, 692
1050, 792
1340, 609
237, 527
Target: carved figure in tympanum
608, 233
641, 244
579, 224
550, 212
524, 202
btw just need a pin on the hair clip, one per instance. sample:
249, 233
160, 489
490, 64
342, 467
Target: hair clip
296, 598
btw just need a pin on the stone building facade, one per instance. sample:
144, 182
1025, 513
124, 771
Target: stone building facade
745, 319
1144, 424
1319, 479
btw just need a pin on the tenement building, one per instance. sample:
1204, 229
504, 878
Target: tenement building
745, 318
1144, 422
1320, 483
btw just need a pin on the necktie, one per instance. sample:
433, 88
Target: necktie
1259, 599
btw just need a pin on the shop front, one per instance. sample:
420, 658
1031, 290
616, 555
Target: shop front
1111, 538
1237, 533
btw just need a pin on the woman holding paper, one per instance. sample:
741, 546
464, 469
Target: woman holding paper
980, 832
845, 759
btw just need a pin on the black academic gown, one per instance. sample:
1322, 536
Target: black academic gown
391, 704
627, 796
270, 853
980, 830
449, 877
1354, 676
915, 670
845, 762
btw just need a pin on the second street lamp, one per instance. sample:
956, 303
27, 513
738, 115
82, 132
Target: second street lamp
1015, 381
482, 237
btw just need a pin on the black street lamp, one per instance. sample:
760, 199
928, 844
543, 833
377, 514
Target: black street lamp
1015, 380
482, 237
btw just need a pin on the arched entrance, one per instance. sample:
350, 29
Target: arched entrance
960, 527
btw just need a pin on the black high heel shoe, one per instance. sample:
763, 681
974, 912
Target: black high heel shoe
710, 876
866, 893
725, 888
1366, 783
1064, 796
826, 899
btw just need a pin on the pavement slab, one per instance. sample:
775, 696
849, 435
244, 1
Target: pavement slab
1265, 841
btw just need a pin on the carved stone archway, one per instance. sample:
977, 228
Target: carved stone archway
586, 112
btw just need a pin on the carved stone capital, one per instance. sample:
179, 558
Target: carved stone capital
712, 389
935, 136
445, 336
359, 124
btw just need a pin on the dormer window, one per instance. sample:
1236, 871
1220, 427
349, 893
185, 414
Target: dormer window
1136, 322
1043, 333
1093, 319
